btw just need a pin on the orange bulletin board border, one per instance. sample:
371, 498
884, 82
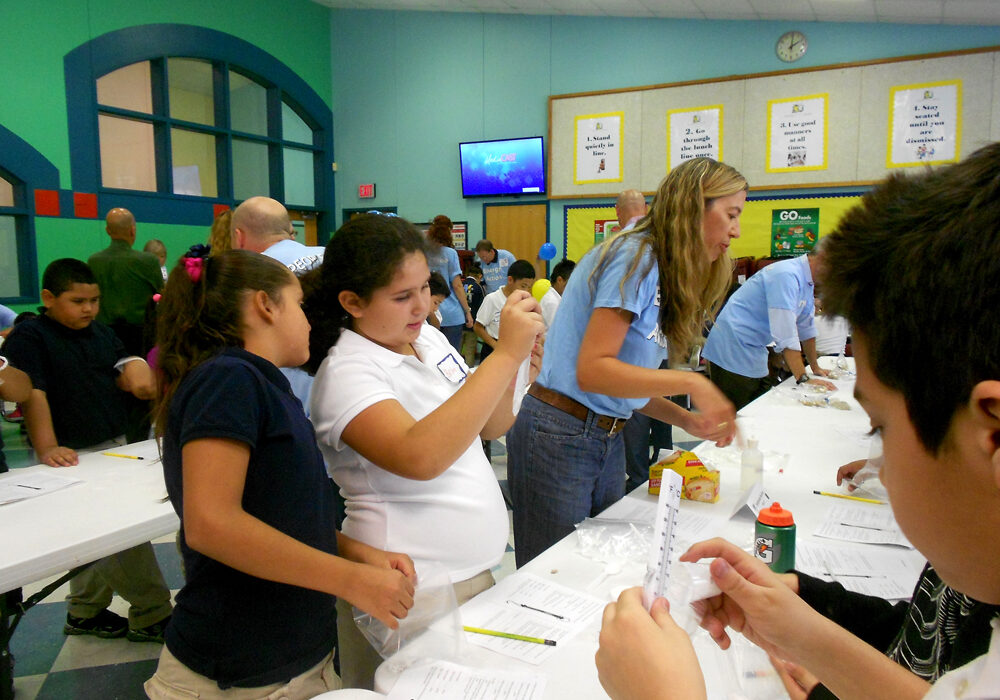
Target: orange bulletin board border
755, 224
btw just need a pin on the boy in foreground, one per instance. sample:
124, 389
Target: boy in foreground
898, 267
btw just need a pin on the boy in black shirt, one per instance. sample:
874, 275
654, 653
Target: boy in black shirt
80, 372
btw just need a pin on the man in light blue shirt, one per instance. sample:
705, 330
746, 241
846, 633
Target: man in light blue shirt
774, 306
494, 262
262, 224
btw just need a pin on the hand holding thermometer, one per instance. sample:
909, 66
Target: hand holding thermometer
658, 567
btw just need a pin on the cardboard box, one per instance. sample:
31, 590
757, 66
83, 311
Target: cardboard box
700, 482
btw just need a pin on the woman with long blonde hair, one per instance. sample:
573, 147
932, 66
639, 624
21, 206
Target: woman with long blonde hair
630, 299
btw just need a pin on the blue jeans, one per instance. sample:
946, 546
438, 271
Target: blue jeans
644, 438
454, 335
561, 470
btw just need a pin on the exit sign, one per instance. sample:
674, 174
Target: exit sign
366, 191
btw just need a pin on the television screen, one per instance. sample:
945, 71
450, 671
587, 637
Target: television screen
504, 167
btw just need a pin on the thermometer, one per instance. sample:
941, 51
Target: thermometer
658, 567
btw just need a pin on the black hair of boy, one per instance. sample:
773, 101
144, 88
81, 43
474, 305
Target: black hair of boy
474, 270
914, 269
62, 274
521, 270
564, 269
438, 286
24, 316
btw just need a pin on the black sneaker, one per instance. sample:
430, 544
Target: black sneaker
153, 633
104, 624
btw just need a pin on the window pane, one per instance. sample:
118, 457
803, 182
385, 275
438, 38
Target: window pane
10, 281
247, 105
250, 175
293, 128
194, 163
127, 88
299, 187
190, 86
6, 193
127, 155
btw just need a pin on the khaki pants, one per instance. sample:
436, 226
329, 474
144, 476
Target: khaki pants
175, 681
358, 659
133, 574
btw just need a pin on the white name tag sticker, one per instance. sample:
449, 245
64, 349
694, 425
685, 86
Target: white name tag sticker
451, 369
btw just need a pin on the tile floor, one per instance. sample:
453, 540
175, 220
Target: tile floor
51, 666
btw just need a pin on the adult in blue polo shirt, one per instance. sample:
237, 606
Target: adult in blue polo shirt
494, 262
774, 306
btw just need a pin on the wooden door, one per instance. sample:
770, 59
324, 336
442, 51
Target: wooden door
521, 229
304, 223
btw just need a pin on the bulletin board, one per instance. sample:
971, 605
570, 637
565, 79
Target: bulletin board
580, 222
857, 115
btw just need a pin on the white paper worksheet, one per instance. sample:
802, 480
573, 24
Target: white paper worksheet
864, 524
18, 486
443, 679
528, 605
877, 572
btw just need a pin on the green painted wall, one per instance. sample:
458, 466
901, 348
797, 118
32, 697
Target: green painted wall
35, 36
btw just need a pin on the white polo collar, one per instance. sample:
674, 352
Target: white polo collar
428, 353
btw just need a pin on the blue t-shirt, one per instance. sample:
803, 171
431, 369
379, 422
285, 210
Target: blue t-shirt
7, 317
495, 273
296, 257
445, 263
228, 625
738, 341
644, 344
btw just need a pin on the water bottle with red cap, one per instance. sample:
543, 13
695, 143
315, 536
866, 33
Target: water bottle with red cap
774, 538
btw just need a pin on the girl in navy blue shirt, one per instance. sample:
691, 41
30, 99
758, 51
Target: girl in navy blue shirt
256, 614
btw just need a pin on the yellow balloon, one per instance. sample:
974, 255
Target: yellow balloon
539, 288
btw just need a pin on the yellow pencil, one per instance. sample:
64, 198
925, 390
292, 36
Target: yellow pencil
851, 498
510, 635
115, 454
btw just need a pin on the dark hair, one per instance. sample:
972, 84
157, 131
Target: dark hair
63, 273
562, 269
521, 270
362, 256
914, 269
485, 244
23, 316
197, 319
474, 270
438, 285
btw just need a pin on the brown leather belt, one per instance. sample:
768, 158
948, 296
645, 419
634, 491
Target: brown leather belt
612, 424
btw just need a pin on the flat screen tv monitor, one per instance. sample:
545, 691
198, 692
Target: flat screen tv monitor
503, 167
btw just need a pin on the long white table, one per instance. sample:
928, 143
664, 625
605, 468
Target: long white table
802, 446
118, 504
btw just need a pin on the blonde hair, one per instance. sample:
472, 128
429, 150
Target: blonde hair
220, 238
691, 286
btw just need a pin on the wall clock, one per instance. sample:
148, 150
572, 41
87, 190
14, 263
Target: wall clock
791, 46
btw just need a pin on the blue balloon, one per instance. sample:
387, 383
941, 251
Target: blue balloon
547, 251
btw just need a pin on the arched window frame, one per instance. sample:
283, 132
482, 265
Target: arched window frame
26, 170
157, 43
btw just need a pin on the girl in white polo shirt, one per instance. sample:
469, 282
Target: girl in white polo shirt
399, 416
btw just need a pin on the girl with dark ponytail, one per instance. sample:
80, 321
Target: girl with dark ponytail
248, 483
